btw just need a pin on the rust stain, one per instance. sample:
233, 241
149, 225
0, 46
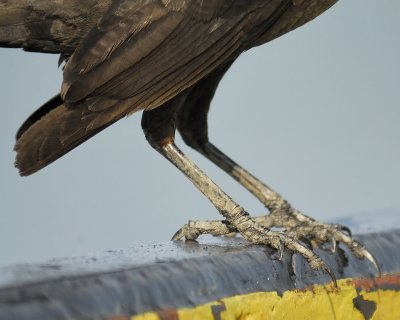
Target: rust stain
373, 283
330, 288
168, 314
306, 289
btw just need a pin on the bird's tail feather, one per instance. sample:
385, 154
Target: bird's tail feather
49, 133
39, 113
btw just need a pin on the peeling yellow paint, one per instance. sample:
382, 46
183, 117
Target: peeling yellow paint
388, 302
317, 302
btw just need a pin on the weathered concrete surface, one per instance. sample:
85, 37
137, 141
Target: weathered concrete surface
177, 275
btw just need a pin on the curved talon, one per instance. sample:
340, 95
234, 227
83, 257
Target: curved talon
179, 234
335, 233
368, 255
329, 271
317, 263
345, 229
362, 253
295, 238
187, 232
306, 242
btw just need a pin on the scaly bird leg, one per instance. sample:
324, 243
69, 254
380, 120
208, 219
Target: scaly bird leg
191, 120
159, 128
235, 215
281, 212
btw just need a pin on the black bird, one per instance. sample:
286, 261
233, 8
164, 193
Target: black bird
165, 57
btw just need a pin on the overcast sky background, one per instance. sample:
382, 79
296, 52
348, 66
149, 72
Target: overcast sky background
314, 114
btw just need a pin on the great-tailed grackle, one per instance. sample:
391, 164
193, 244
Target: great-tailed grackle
165, 57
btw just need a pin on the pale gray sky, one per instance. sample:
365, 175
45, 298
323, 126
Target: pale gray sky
315, 114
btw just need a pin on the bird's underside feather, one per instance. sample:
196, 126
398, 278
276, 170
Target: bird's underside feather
141, 54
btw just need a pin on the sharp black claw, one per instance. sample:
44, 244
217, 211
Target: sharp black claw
346, 230
331, 274
373, 260
307, 242
178, 235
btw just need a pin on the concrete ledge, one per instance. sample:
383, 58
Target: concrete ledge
215, 278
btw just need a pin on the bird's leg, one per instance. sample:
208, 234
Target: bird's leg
159, 127
282, 214
280, 210
192, 124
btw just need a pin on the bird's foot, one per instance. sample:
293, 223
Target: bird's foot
300, 226
257, 234
194, 228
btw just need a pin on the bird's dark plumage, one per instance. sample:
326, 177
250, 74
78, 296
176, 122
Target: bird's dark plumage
127, 55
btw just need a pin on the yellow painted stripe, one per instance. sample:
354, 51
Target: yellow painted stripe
317, 302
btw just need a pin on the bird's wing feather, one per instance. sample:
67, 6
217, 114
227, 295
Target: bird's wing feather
148, 51
140, 55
